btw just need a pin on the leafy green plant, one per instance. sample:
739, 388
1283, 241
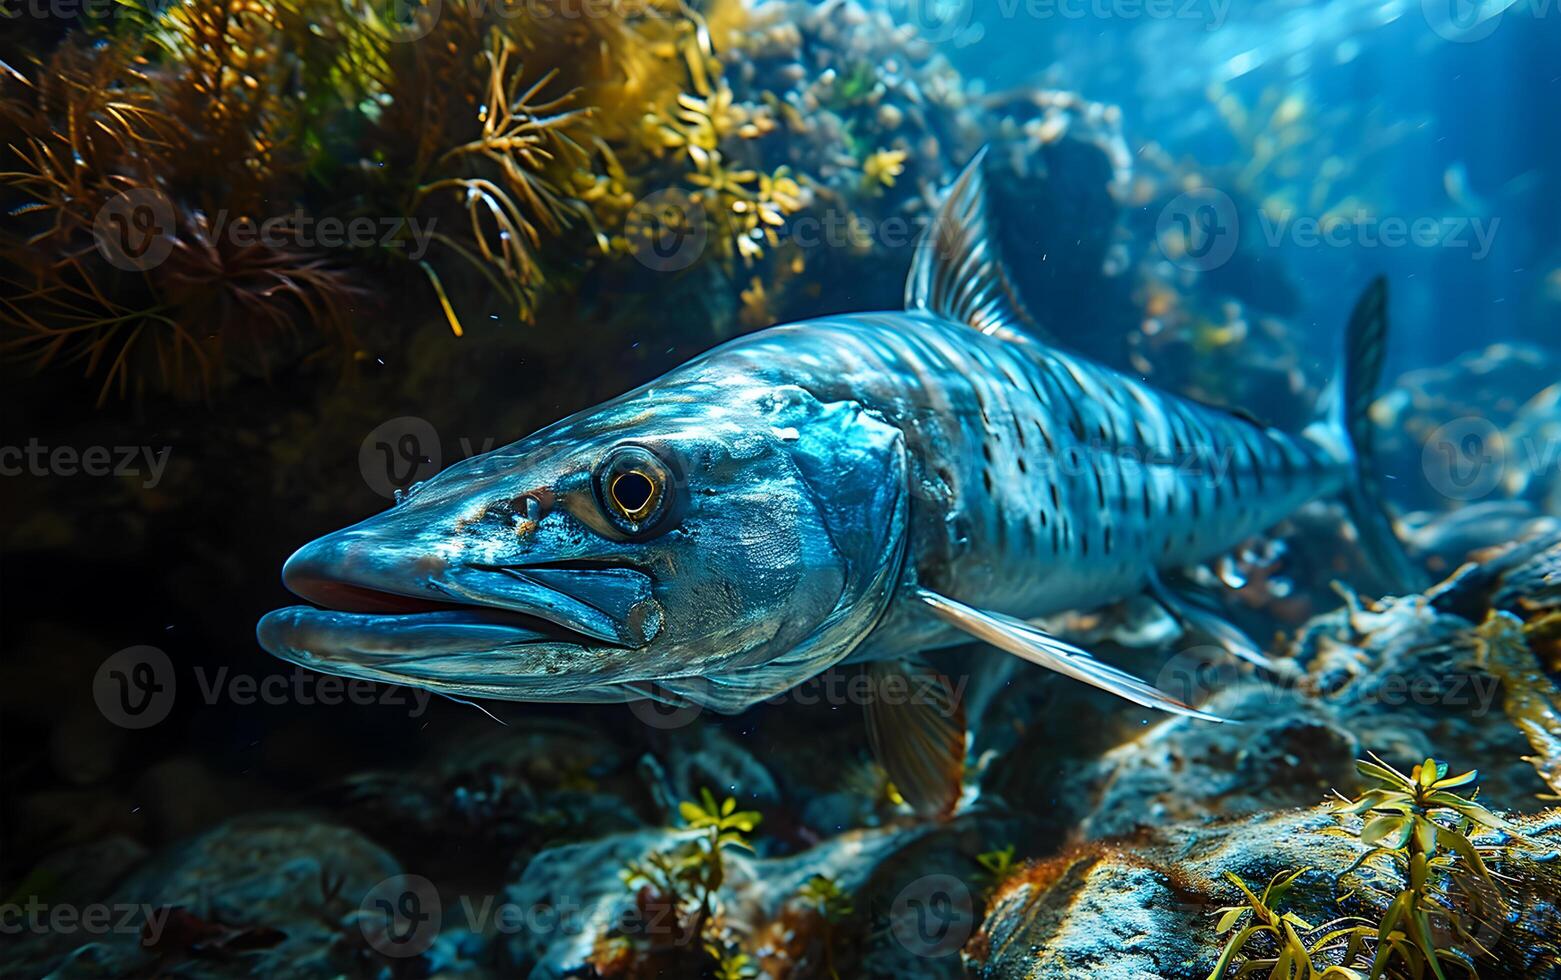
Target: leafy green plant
1422, 829
1288, 955
833, 905
827, 898
731, 965
996, 866
1423, 865
686, 879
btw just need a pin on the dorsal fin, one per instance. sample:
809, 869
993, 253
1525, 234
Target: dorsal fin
957, 272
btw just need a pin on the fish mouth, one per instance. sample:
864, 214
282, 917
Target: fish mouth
546, 629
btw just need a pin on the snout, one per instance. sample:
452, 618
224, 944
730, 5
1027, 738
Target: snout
335, 572
351, 572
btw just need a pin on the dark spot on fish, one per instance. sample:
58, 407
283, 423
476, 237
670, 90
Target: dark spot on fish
986, 478
1106, 541
1045, 436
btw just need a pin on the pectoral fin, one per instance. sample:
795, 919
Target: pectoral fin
916, 725
1192, 616
1039, 647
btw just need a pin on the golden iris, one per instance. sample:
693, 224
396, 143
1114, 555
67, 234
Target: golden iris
634, 494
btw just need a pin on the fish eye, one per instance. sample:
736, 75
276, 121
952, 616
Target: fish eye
634, 487
633, 492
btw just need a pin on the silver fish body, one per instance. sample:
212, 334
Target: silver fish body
1040, 482
863, 486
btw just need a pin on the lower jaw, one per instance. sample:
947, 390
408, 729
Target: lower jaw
307, 634
474, 653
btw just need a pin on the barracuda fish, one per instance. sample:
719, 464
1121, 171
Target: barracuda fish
853, 488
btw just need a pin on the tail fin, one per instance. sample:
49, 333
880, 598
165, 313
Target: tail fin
1365, 342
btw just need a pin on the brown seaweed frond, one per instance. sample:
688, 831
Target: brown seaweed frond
129, 327
224, 74
1530, 699
70, 318
84, 129
510, 177
106, 127
262, 290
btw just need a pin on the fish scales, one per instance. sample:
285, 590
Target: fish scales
1044, 482
862, 487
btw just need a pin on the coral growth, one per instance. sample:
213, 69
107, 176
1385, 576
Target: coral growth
180, 170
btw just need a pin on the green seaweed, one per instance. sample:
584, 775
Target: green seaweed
1422, 865
685, 881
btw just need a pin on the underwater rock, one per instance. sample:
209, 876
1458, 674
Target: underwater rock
1403, 678
1281, 752
84, 873
502, 793
1141, 908
266, 894
704, 756
1443, 541
580, 889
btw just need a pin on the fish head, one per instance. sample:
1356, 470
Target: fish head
704, 543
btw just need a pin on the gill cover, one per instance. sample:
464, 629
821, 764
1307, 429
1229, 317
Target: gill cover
853, 464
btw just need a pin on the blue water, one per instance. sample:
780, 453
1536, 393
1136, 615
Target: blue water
1426, 97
